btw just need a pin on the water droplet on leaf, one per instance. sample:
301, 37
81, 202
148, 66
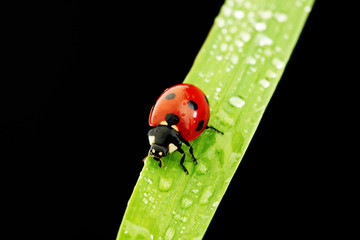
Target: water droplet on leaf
250, 60
238, 14
281, 17
278, 63
165, 184
207, 193
169, 234
186, 202
264, 83
215, 204
264, 40
260, 26
245, 36
236, 101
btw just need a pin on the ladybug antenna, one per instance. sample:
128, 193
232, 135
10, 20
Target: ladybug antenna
161, 163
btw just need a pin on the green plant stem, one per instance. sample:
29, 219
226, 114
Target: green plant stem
238, 68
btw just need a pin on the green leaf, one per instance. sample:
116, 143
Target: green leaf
238, 68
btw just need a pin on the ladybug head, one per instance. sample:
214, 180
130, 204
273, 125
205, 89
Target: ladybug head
157, 151
160, 139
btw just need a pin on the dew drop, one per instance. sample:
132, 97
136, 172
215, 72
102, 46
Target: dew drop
235, 157
250, 60
186, 202
208, 192
245, 36
133, 231
227, 11
145, 201
238, 14
281, 17
264, 83
271, 74
165, 184
223, 47
237, 101
231, 48
220, 22
268, 52
247, 5
228, 38
251, 16
233, 29
215, 204
264, 40
219, 57
298, 3
278, 63
228, 180
169, 234
260, 26
201, 169
265, 14
148, 180
307, 9
234, 59
239, 43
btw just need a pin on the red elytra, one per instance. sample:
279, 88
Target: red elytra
189, 104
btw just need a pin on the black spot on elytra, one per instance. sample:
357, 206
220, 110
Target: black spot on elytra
200, 125
193, 105
170, 96
172, 119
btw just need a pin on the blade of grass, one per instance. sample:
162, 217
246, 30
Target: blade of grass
238, 68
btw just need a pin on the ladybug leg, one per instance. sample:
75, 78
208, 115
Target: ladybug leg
216, 130
182, 160
191, 150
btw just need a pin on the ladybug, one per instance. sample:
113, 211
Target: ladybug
180, 115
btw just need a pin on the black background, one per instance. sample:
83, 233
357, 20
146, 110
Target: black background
79, 79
